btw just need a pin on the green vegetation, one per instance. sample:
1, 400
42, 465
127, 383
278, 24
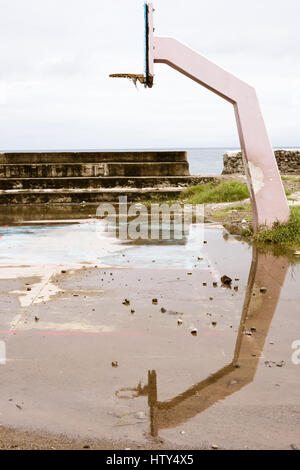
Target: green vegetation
282, 234
214, 193
290, 178
206, 193
242, 210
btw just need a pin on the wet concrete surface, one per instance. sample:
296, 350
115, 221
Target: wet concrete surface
81, 362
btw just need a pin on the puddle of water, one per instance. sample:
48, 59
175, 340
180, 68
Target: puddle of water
234, 384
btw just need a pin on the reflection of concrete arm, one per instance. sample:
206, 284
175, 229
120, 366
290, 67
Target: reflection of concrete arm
266, 271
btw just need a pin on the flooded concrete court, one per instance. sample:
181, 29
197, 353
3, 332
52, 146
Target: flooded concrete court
99, 344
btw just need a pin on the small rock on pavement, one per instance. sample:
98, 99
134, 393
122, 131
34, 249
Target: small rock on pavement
115, 364
36, 319
226, 280
163, 310
179, 321
194, 332
215, 447
154, 301
263, 290
126, 302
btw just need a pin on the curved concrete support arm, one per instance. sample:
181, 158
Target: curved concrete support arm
268, 198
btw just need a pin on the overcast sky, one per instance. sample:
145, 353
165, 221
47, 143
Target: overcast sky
56, 55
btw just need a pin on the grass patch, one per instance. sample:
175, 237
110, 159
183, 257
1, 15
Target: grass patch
290, 178
282, 234
214, 193
206, 193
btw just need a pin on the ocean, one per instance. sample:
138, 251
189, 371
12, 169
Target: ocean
207, 161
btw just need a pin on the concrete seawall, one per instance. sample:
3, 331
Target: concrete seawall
63, 178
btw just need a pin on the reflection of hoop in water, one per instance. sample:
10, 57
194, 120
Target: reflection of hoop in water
139, 391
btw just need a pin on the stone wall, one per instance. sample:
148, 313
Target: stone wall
288, 162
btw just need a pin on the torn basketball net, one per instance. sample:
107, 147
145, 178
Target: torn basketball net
130, 76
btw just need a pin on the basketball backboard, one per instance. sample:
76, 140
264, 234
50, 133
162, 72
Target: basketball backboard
147, 78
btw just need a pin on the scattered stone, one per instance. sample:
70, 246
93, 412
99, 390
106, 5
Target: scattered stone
214, 323
28, 289
236, 288
182, 432
236, 279
194, 332
155, 301
200, 259
233, 382
19, 406
215, 447
86, 447
263, 290
163, 310
115, 364
215, 284
226, 280
280, 364
253, 329
205, 242
179, 322
36, 319
63, 271
140, 415
126, 302
205, 284
211, 298
132, 311
237, 366
248, 333
189, 274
